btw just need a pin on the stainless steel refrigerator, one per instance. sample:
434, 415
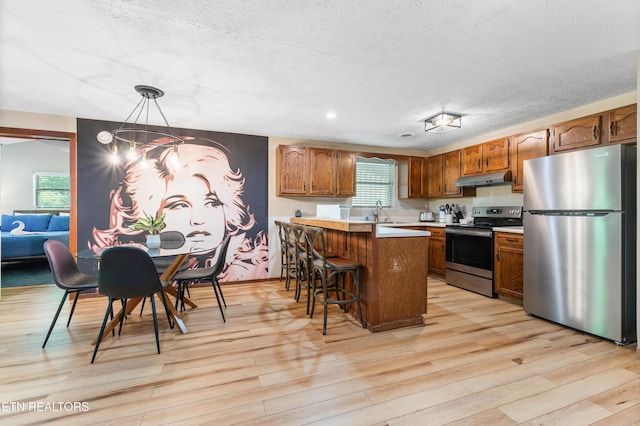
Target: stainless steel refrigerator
580, 240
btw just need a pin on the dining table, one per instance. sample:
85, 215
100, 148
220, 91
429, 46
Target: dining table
179, 254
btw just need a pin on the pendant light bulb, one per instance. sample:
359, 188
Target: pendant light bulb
132, 154
114, 154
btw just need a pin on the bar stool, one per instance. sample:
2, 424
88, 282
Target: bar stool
331, 272
287, 252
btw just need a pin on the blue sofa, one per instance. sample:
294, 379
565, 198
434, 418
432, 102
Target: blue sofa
38, 228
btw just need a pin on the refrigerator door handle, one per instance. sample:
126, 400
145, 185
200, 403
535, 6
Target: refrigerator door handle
588, 213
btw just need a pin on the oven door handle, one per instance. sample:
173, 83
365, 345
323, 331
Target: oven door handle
487, 233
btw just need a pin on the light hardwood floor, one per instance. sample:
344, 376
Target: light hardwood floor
476, 361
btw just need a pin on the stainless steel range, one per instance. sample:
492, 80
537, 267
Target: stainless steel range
469, 248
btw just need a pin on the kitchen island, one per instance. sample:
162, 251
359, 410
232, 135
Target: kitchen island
393, 276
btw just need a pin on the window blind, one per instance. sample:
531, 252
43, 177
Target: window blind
375, 180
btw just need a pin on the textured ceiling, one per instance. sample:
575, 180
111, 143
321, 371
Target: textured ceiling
275, 67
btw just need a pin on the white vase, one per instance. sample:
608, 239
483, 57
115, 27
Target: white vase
153, 241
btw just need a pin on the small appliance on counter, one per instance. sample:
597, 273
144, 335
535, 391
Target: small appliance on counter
427, 217
333, 211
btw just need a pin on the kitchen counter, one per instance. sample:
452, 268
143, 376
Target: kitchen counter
512, 229
394, 268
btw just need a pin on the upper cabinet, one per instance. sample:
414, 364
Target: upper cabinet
527, 146
346, 174
292, 170
581, 133
314, 172
451, 169
418, 175
487, 157
622, 124
322, 172
434, 176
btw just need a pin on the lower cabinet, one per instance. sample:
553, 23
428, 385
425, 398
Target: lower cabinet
436, 252
508, 264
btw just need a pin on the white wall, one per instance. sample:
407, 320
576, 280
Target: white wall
18, 163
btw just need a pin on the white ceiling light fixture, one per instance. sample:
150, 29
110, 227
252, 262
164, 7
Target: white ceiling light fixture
442, 122
138, 136
331, 115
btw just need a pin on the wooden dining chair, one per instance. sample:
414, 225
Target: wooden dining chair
67, 277
126, 273
187, 276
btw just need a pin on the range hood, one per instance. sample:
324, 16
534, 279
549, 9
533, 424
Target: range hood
488, 179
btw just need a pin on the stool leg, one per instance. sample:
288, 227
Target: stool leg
356, 283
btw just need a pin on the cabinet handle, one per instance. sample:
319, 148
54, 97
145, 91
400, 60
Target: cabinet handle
478, 163
304, 186
487, 162
512, 240
595, 133
611, 128
445, 187
498, 256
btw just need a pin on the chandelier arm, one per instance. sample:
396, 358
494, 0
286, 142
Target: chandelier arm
131, 113
163, 117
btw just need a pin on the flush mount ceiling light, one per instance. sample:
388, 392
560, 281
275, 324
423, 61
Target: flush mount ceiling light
138, 136
442, 122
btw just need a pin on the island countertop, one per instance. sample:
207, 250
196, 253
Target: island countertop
394, 268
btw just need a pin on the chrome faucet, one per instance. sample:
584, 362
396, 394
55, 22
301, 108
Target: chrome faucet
376, 216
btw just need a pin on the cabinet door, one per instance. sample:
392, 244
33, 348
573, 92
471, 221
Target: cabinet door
436, 252
291, 170
508, 271
417, 178
472, 160
322, 171
346, 185
434, 178
623, 124
580, 133
450, 173
495, 155
525, 147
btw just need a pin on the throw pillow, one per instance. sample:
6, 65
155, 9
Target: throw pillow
59, 223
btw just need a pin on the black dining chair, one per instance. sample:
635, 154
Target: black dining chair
168, 240
67, 277
126, 273
211, 273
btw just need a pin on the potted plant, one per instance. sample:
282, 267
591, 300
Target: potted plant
153, 225
298, 213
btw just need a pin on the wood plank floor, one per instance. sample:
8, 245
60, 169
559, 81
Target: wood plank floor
476, 361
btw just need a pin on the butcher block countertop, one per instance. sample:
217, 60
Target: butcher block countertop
337, 225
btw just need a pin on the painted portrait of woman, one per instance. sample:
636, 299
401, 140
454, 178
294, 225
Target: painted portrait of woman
200, 196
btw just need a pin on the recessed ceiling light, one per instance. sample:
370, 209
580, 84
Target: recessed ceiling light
331, 115
405, 135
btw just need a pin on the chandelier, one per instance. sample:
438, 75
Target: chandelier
137, 135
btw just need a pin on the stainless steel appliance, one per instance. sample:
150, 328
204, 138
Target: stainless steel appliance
469, 248
580, 240
427, 217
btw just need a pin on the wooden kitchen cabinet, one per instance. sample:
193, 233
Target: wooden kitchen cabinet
451, 169
346, 174
508, 264
436, 252
622, 124
415, 172
292, 170
315, 172
526, 146
322, 172
492, 156
434, 176
575, 134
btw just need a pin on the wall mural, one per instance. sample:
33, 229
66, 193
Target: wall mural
219, 188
